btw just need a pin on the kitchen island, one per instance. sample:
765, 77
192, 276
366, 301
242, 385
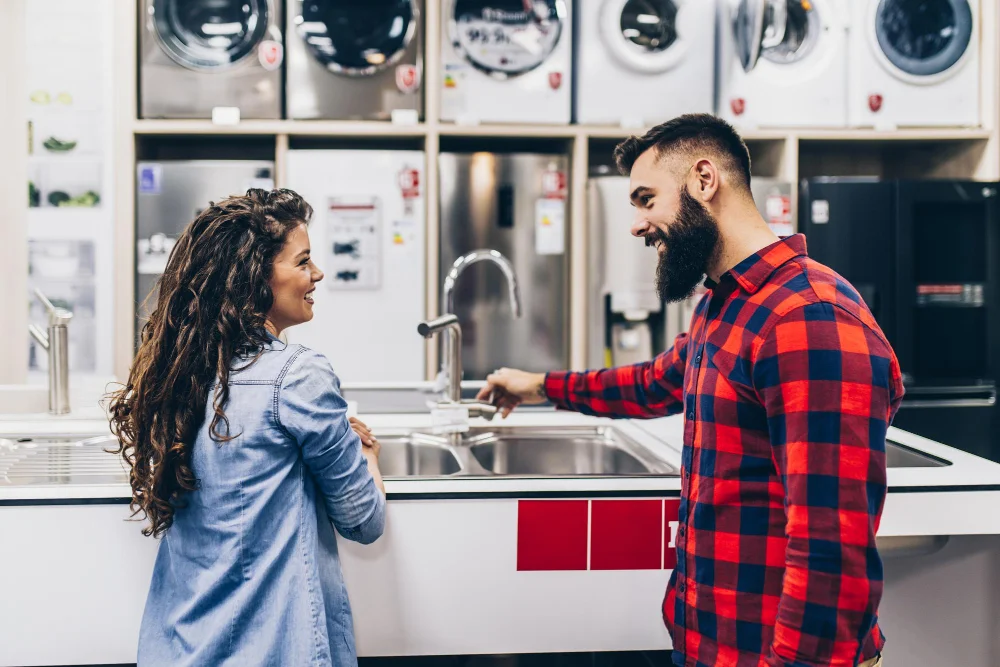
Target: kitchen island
545, 532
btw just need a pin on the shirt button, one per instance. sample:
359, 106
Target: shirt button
691, 414
680, 587
680, 531
697, 359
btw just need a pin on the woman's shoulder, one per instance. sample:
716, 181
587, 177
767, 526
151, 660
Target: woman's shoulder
279, 362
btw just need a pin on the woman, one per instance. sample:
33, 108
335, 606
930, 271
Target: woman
241, 451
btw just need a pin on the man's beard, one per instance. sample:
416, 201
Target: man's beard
692, 244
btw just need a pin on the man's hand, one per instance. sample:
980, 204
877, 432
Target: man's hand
508, 388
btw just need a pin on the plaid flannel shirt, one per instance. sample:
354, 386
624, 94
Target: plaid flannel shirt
788, 388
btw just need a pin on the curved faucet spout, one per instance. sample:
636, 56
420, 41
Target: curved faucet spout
474, 257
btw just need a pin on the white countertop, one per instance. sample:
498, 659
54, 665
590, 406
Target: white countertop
966, 473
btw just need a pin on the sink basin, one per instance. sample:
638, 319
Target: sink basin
901, 456
578, 451
60, 461
413, 456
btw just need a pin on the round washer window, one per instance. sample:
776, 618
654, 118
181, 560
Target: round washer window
650, 24
506, 37
802, 29
210, 34
923, 37
357, 38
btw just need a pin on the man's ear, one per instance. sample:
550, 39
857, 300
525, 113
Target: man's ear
704, 180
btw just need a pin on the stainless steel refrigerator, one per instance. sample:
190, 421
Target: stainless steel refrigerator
517, 204
169, 195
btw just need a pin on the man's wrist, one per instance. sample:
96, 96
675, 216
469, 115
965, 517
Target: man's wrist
540, 392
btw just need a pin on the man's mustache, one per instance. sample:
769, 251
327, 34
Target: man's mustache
654, 237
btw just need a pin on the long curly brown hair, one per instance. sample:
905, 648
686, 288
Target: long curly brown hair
213, 301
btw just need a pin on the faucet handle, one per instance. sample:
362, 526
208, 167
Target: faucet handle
484, 410
431, 327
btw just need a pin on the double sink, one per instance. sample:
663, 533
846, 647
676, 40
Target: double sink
576, 451
520, 451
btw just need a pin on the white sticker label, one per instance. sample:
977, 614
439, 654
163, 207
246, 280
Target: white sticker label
820, 212
404, 117
354, 243
226, 115
450, 419
550, 226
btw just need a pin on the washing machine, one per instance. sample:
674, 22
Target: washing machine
641, 62
506, 61
783, 63
355, 60
199, 57
914, 63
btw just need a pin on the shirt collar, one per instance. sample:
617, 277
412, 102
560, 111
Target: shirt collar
753, 272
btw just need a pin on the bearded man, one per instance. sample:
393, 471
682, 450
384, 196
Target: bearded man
787, 386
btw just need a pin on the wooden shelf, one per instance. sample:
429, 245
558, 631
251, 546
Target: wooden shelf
515, 131
326, 128
909, 134
334, 128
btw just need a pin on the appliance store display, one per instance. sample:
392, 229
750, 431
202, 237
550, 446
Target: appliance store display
639, 62
65, 271
200, 58
514, 203
355, 60
506, 61
169, 195
367, 235
783, 63
925, 256
774, 201
914, 64
626, 316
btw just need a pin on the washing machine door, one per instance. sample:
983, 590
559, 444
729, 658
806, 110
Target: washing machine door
923, 38
803, 25
210, 34
643, 34
507, 38
357, 38
758, 26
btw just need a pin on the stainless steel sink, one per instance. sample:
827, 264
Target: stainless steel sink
564, 451
578, 451
901, 456
73, 461
416, 456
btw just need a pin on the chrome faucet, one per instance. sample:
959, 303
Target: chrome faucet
56, 343
448, 298
451, 331
453, 364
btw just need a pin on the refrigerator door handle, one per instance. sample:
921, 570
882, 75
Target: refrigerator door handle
972, 398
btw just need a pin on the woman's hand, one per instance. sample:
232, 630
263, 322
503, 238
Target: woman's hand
370, 448
365, 433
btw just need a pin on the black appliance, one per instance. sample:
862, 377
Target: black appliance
925, 257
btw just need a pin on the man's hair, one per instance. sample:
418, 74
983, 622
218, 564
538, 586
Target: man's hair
691, 133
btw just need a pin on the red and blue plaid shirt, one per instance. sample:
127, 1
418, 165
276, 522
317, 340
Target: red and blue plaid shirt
788, 388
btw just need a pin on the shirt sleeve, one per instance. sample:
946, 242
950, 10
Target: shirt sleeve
312, 411
641, 391
828, 386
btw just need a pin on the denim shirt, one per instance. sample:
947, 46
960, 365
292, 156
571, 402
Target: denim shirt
248, 574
